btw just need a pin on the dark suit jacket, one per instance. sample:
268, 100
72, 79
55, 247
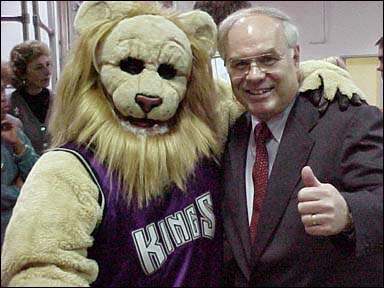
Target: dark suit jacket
342, 148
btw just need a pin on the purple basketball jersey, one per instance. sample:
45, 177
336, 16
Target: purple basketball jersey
173, 241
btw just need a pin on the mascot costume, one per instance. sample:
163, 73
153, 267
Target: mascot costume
130, 193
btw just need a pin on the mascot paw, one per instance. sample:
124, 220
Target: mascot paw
335, 83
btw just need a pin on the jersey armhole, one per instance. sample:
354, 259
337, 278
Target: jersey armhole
101, 198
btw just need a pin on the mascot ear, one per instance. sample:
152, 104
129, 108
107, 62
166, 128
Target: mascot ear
202, 27
91, 12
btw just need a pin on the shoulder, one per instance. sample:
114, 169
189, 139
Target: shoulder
304, 106
51, 95
16, 99
367, 118
15, 94
240, 130
243, 120
365, 113
60, 160
357, 125
63, 171
47, 91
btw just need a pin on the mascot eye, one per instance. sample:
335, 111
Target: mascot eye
166, 71
132, 65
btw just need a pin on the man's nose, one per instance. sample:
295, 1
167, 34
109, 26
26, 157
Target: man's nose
255, 71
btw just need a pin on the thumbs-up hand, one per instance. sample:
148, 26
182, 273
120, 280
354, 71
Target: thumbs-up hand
323, 209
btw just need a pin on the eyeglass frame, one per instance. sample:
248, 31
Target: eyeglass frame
254, 59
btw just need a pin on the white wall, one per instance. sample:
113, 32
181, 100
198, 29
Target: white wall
327, 28
12, 32
348, 28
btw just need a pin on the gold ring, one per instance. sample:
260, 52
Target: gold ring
314, 223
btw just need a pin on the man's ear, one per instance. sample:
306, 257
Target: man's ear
296, 56
296, 61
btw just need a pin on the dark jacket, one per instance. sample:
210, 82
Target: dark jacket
35, 130
344, 149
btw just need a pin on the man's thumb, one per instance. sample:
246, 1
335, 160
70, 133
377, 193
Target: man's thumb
309, 179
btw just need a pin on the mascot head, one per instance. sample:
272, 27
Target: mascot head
138, 89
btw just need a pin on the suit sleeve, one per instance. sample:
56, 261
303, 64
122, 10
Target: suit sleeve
362, 168
50, 231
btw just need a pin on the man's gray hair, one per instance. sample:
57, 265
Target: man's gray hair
290, 30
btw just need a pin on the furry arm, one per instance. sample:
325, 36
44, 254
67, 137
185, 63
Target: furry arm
228, 108
50, 230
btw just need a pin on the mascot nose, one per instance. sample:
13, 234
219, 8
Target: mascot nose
147, 103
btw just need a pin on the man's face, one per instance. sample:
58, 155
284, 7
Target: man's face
380, 56
267, 85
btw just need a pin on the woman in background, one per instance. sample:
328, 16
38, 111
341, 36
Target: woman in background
17, 156
31, 101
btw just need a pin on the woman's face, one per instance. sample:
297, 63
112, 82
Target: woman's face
39, 72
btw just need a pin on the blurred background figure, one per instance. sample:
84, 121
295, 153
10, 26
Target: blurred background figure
219, 10
336, 60
379, 45
17, 155
31, 101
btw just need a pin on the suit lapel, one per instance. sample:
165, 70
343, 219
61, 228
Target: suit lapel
236, 196
292, 156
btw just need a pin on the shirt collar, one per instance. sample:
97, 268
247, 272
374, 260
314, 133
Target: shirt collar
276, 124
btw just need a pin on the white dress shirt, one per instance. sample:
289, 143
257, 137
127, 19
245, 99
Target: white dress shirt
276, 125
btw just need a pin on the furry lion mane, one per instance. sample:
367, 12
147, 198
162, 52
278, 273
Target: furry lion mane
146, 166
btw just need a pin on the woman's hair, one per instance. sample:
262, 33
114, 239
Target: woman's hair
290, 30
21, 55
5, 72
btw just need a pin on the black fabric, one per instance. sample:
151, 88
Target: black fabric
38, 103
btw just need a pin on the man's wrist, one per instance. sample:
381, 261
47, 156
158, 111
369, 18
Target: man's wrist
349, 227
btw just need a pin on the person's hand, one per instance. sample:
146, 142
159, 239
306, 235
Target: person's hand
19, 182
323, 209
9, 135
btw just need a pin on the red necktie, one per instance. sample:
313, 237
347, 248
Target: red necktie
259, 175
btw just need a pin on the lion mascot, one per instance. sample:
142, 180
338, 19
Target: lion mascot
130, 193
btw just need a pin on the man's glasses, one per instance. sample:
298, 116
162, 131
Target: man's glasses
264, 62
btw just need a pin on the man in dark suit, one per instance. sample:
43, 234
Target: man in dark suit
320, 207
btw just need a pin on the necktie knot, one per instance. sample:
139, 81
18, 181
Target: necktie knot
262, 133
